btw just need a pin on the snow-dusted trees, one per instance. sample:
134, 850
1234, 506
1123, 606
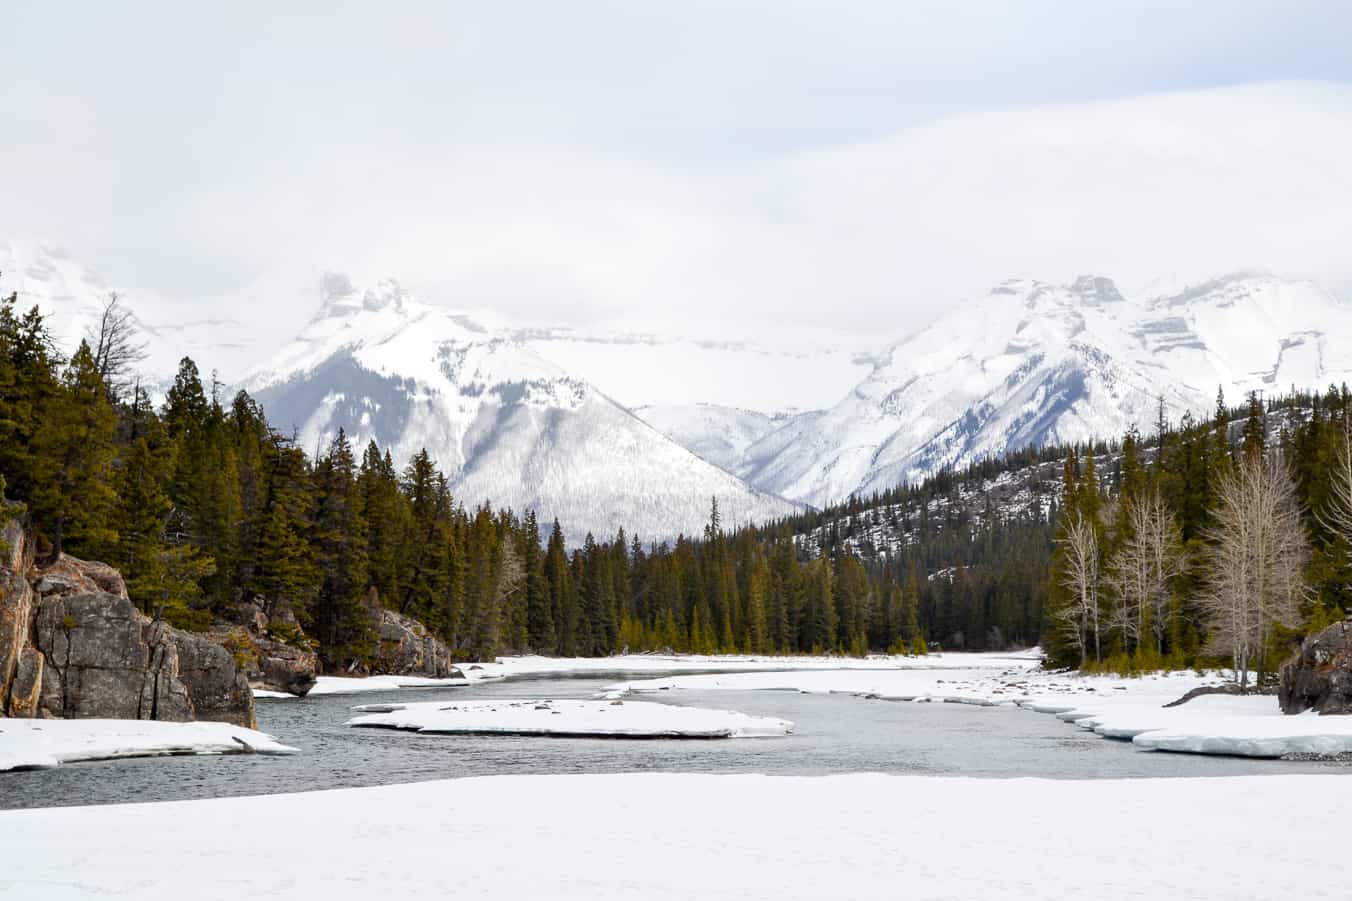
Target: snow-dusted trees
1141, 574
1255, 558
1079, 573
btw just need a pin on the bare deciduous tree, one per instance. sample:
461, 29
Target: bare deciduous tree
1257, 556
1337, 513
1142, 572
1080, 618
116, 350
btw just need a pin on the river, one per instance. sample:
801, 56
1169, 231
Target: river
833, 734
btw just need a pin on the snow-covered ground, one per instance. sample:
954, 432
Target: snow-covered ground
40, 744
596, 719
346, 685
623, 664
673, 663
668, 836
1122, 708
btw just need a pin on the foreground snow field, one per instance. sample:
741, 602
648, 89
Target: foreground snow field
1114, 707
665, 836
593, 719
34, 744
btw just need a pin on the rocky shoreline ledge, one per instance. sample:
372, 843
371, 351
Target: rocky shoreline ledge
74, 646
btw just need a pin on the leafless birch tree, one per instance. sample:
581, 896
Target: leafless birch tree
1337, 513
1080, 618
1141, 574
1257, 553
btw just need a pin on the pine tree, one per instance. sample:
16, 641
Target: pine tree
74, 447
540, 635
338, 534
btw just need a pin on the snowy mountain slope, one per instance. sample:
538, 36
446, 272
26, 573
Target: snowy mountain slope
773, 371
1032, 364
506, 425
721, 435
72, 297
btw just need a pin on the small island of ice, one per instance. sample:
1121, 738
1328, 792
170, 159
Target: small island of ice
568, 719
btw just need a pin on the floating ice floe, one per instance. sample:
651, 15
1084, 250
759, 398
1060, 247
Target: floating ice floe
568, 719
42, 744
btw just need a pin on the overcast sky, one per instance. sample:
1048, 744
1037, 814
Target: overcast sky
859, 164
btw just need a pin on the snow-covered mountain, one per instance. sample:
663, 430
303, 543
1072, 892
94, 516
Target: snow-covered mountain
505, 424
1032, 363
605, 428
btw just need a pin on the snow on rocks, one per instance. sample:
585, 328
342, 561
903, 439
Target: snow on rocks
568, 719
660, 836
43, 744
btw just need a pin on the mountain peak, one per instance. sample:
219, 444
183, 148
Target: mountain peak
1095, 289
340, 298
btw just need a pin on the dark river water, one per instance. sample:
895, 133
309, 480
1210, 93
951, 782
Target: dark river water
833, 734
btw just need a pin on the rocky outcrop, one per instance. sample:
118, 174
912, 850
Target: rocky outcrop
73, 645
404, 647
16, 623
274, 655
70, 575
1319, 676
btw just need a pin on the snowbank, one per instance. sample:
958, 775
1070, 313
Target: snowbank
1129, 709
675, 663
590, 719
537, 666
344, 685
668, 836
41, 744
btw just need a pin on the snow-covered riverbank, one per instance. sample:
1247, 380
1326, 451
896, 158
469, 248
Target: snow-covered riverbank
37, 744
565, 718
1123, 708
626, 664
664, 836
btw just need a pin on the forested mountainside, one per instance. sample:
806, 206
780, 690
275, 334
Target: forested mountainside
202, 504
989, 549
638, 431
506, 425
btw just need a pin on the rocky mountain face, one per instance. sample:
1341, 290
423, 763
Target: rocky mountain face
73, 646
506, 425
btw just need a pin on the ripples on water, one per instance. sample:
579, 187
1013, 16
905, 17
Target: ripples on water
834, 734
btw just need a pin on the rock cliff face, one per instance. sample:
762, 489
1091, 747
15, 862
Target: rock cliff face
20, 663
72, 645
404, 647
1319, 678
268, 662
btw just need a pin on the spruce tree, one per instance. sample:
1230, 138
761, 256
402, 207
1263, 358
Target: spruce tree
72, 496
